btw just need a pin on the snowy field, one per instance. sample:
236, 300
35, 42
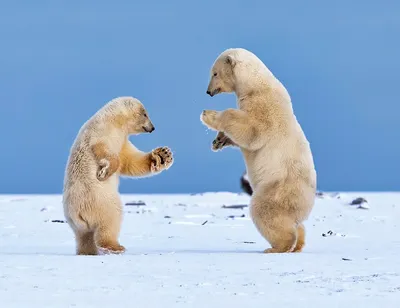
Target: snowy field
195, 251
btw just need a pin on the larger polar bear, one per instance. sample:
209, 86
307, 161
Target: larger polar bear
277, 154
100, 154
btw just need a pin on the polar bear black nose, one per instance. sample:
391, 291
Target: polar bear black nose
208, 92
152, 129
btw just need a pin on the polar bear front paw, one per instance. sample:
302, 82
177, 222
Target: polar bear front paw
220, 142
103, 172
209, 119
161, 159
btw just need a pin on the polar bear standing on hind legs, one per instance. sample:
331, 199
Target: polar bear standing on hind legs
277, 154
100, 154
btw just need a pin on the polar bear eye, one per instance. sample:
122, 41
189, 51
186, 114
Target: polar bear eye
215, 74
145, 115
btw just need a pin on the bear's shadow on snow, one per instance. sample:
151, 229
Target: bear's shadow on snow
131, 252
138, 252
190, 251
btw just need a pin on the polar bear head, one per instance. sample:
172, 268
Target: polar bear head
138, 120
222, 75
130, 114
238, 70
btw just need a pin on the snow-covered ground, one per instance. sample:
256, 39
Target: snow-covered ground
190, 251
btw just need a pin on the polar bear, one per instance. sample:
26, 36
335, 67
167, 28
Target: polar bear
278, 157
100, 154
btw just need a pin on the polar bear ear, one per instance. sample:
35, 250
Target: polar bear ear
230, 60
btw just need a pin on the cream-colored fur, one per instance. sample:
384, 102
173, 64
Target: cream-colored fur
100, 154
277, 154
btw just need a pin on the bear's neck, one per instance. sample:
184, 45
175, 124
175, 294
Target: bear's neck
244, 91
264, 93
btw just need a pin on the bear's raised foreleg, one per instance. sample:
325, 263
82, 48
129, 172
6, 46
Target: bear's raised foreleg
236, 125
221, 141
136, 163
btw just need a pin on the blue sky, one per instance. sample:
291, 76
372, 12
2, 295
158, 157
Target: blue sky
61, 61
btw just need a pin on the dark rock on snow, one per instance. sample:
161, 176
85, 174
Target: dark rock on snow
245, 185
136, 203
358, 201
235, 206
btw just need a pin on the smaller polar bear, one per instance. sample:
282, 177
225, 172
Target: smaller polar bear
100, 154
277, 154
